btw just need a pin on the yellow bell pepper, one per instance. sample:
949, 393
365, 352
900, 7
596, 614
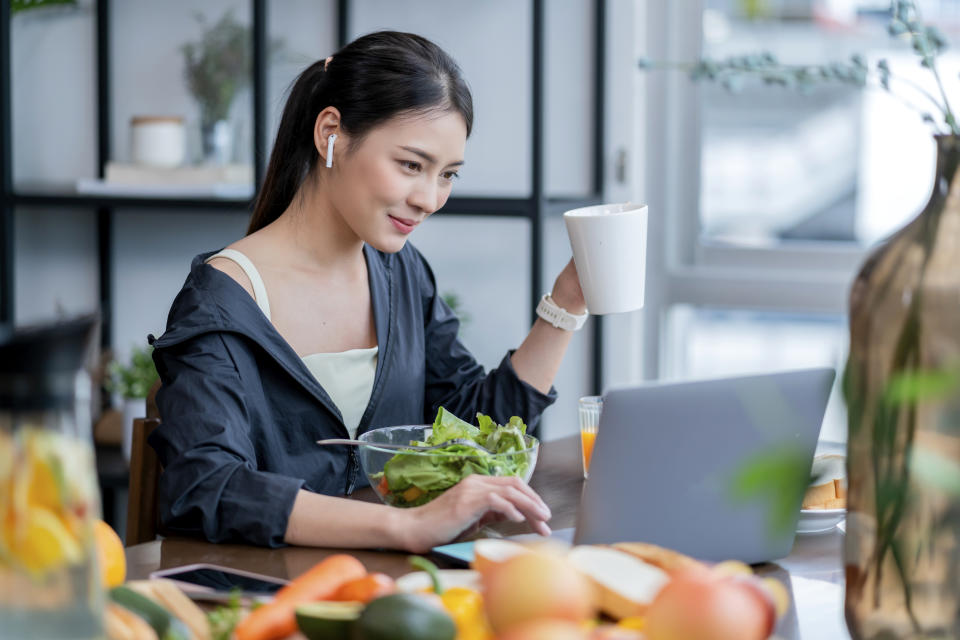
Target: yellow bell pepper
465, 606
633, 623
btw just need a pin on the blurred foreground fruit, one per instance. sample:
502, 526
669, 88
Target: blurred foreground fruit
113, 561
465, 606
42, 542
277, 619
328, 620
700, 605
533, 586
546, 630
165, 624
44, 520
404, 616
779, 594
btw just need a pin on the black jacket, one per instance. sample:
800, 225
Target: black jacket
241, 412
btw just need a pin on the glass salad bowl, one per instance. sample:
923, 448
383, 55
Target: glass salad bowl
413, 478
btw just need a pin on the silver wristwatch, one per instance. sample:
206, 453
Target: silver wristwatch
558, 316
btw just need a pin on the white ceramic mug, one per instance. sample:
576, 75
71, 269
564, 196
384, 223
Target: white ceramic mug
609, 243
157, 141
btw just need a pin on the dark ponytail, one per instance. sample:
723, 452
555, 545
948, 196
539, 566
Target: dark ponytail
372, 79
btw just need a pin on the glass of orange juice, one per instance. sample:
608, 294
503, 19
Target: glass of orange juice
589, 409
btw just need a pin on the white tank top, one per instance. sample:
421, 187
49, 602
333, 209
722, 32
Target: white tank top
347, 376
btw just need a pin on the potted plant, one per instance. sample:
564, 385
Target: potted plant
132, 382
216, 68
902, 379
456, 305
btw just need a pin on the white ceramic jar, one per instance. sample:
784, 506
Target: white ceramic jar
157, 141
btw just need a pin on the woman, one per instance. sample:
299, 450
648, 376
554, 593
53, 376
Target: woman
324, 322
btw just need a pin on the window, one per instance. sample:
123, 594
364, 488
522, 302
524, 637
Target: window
765, 202
840, 164
704, 342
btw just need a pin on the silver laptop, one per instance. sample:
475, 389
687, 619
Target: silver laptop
715, 469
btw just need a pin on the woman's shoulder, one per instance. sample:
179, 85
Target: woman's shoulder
207, 301
229, 265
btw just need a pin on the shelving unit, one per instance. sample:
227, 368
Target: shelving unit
532, 208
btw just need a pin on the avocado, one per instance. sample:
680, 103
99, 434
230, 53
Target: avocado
404, 616
328, 620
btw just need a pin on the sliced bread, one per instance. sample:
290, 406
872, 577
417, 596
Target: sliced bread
626, 585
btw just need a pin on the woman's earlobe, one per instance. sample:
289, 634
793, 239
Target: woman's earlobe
330, 140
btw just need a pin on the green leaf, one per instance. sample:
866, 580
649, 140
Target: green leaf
223, 619
487, 426
453, 301
778, 476
447, 426
136, 379
936, 39
733, 84
912, 387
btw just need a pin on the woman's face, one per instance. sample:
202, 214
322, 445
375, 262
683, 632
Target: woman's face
398, 174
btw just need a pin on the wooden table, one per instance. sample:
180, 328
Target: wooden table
813, 569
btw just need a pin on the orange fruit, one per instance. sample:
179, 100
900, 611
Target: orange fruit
45, 543
44, 488
113, 561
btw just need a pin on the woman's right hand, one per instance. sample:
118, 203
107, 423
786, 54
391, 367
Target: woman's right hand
475, 500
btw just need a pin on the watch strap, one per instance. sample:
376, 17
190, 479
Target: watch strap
559, 317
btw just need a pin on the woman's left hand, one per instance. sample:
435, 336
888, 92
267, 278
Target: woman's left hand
567, 292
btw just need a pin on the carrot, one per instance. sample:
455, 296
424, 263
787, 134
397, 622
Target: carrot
278, 619
365, 589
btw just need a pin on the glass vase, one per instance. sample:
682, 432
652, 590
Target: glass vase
49, 575
902, 386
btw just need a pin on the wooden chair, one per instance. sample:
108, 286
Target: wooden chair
142, 516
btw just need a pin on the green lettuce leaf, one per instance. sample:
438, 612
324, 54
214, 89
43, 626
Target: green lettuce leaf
449, 427
487, 427
406, 470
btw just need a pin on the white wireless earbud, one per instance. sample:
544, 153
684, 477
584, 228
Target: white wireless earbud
330, 140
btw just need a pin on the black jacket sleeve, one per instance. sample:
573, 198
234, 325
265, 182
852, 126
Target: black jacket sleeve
210, 483
456, 381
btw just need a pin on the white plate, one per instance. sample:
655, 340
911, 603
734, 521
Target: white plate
819, 520
420, 581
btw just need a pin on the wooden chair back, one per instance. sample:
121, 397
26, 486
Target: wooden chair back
142, 514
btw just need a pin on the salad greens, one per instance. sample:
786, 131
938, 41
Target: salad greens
225, 618
412, 479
